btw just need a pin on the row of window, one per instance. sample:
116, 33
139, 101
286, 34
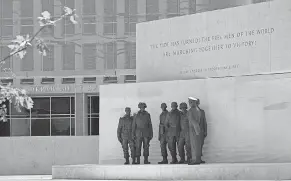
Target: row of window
89, 15
91, 57
50, 116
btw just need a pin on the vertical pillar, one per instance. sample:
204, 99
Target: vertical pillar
120, 33
37, 9
99, 27
163, 9
81, 109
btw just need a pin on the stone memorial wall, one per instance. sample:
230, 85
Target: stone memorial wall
243, 40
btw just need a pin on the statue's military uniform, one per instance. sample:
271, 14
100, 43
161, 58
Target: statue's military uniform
203, 128
184, 139
124, 134
173, 131
163, 136
142, 131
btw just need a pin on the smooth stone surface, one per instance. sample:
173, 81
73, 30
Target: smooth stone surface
235, 45
279, 171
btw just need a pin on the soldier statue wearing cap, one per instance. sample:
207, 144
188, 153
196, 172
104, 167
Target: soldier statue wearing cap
203, 127
142, 132
194, 116
184, 139
124, 136
173, 130
163, 134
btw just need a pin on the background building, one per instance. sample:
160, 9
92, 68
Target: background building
100, 49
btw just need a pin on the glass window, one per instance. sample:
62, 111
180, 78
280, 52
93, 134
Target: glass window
110, 53
152, 10
7, 64
48, 63
20, 127
69, 56
130, 18
89, 56
41, 107
89, 7
6, 28
26, 8
110, 20
93, 115
89, 25
40, 127
61, 126
27, 63
173, 8
130, 55
5, 128
6, 9
68, 26
41, 120
60, 105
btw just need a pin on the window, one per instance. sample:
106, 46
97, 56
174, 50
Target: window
48, 60
6, 18
50, 116
192, 6
93, 115
110, 20
27, 81
89, 56
130, 62
48, 80
173, 8
89, 17
152, 10
27, 63
68, 26
68, 80
6, 66
27, 24
130, 18
130, 79
69, 57
48, 5
110, 55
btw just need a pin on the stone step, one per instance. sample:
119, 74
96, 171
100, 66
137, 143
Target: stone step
242, 171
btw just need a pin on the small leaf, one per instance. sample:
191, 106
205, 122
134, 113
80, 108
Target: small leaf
72, 19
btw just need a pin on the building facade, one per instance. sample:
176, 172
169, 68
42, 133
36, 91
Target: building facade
100, 49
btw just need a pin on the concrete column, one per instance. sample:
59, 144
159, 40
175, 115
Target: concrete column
120, 33
99, 27
81, 106
163, 9
141, 10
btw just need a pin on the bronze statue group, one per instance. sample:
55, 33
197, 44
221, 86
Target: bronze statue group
185, 128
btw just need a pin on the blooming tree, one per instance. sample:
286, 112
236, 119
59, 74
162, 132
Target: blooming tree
18, 97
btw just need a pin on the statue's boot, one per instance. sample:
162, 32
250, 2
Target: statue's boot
133, 160
146, 160
182, 161
137, 160
164, 161
188, 160
126, 161
174, 160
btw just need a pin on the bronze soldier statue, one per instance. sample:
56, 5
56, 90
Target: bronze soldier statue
184, 140
124, 136
173, 130
194, 116
142, 132
163, 134
203, 127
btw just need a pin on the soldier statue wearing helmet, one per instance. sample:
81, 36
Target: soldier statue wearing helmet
184, 139
124, 135
163, 134
142, 132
